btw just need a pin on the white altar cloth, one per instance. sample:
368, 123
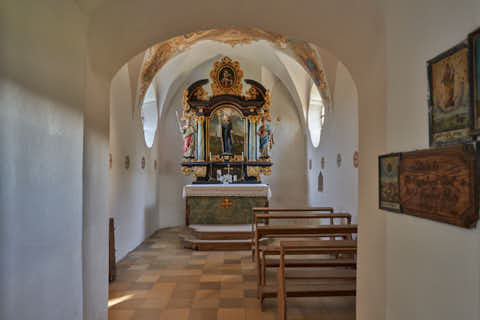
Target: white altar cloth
227, 190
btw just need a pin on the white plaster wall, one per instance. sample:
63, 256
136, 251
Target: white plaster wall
432, 268
42, 78
133, 192
339, 135
288, 181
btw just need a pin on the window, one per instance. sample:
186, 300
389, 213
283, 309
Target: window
316, 116
150, 116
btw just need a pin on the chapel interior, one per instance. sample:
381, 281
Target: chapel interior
233, 160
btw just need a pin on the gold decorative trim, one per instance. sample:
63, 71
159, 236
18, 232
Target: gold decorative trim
267, 171
200, 171
186, 171
253, 119
226, 77
253, 171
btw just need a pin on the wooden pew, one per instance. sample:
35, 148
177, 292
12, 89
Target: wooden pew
298, 231
347, 262
267, 210
334, 282
274, 250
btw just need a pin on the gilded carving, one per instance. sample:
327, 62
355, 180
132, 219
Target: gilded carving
201, 94
252, 93
226, 77
186, 171
253, 119
253, 171
267, 171
200, 171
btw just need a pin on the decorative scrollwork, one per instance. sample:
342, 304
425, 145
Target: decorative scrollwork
227, 77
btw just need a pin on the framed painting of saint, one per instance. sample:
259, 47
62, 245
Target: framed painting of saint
389, 182
450, 103
226, 77
226, 132
474, 45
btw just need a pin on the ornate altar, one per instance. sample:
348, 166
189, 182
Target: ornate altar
226, 136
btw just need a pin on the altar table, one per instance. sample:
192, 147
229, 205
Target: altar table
223, 203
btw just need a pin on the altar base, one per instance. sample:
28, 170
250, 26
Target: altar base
218, 237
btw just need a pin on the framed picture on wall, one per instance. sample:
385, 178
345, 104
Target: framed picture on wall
450, 102
389, 182
474, 45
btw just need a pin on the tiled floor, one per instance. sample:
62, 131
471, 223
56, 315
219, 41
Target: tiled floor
161, 280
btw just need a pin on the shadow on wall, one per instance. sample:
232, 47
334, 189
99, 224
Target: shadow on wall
150, 221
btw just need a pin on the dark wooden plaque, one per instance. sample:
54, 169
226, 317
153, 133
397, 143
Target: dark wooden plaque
439, 184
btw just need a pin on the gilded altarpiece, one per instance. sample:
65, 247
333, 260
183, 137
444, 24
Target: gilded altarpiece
227, 134
227, 140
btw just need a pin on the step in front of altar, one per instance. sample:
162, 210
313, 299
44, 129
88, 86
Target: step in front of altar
218, 237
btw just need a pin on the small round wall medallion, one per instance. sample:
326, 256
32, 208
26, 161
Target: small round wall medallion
356, 159
127, 162
339, 160
143, 162
323, 162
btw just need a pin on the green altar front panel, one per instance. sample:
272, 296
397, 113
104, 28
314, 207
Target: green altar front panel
222, 210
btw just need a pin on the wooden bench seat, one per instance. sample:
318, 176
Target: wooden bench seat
327, 289
300, 231
306, 263
311, 282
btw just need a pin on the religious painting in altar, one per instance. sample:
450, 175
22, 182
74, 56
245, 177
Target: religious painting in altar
449, 101
226, 132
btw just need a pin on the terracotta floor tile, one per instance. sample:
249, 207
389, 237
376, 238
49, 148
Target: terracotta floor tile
231, 293
179, 303
155, 303
147, 314
120, 314
257, 314
175, 314
203, 314
231, 314
161, 280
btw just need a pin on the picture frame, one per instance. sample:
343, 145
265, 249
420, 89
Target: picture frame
441, 184
450, 110
474, 47
389, 182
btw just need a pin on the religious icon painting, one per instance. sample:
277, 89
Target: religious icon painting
226, 77
226, 130
450, 103
389, 185
474, 44
127, 162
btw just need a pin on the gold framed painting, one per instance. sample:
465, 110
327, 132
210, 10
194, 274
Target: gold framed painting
226, 132
450, 103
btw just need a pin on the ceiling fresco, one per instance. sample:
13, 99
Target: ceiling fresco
158, 55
